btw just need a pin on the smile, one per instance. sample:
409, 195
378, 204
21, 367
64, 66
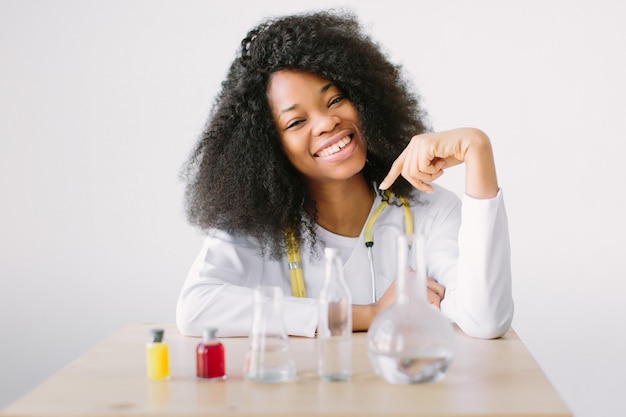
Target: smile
335, 147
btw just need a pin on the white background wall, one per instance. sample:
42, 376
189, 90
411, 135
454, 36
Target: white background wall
101, 101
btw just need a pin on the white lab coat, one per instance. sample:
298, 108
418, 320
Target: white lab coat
466, 249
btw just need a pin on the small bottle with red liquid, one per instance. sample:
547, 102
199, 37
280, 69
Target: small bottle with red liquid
210, 356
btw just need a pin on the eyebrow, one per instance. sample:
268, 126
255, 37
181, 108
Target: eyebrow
326, 87
295, 106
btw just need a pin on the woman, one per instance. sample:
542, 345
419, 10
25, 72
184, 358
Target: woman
312, 125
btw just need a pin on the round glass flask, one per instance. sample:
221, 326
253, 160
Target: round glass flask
411, 341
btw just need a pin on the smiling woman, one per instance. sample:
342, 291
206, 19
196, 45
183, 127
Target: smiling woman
318, 128
313, 123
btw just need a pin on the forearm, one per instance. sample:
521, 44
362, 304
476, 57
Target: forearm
227, 307
362, 316
480, 299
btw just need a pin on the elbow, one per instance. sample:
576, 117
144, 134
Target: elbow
185, 327
196, 311
488, 326
185, 322
487, 330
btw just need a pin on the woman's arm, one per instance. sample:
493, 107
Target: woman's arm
363, 315
478, 278
427, 155
218, 291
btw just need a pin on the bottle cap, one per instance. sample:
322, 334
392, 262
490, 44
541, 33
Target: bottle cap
330, 252
209, 333
157, 335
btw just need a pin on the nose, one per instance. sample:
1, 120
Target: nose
324, 123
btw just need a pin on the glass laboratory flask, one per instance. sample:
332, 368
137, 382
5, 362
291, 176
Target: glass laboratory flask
334, 328
269, 357
411, 341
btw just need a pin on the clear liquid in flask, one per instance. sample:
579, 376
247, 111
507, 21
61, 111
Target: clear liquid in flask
405, 368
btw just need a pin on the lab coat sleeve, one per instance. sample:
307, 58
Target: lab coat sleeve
219, 286
478, 293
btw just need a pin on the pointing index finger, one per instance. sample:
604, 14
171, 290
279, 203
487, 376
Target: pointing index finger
394, 172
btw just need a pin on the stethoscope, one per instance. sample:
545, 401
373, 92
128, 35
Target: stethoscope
293, 250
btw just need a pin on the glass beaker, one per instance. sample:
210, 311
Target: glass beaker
269, 357
411, 341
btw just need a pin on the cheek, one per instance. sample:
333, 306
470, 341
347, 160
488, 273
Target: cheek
353, 115
293, 148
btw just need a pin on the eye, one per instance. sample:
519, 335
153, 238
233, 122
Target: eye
294, 123
335, 100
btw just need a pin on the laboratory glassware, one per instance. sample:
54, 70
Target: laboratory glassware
411, 341
269, 357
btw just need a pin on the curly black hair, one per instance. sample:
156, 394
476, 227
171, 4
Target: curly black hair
237, 177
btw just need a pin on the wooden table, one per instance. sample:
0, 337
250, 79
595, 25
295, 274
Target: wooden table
487, 377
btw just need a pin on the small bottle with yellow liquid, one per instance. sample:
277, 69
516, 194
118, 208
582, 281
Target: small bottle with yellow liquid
157, 360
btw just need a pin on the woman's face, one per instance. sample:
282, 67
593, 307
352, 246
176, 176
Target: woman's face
318, 127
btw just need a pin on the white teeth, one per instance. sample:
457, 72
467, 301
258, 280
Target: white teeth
336, 147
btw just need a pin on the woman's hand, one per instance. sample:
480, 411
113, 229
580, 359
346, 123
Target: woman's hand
427, 155
435, 292
363, 315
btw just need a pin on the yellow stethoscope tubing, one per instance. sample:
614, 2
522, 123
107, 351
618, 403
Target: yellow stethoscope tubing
295, 265
369, 242
293, 251
369, 238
